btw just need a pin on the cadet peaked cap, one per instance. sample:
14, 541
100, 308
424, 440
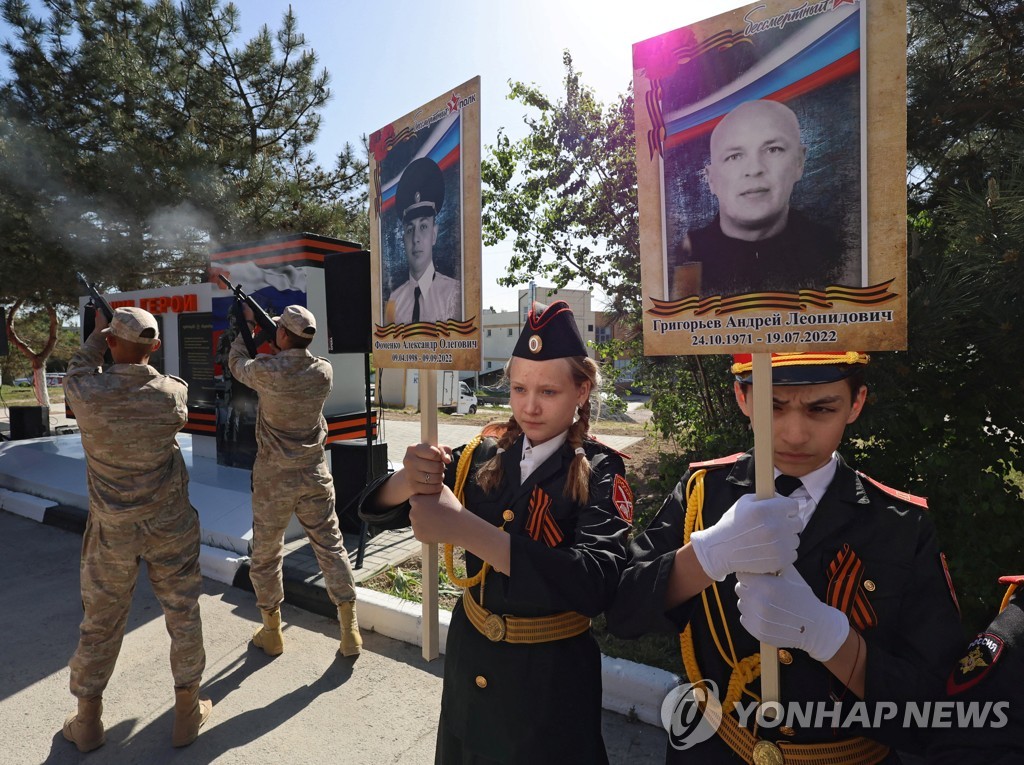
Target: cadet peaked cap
420, 189
550, 333
298, 321
810, 368
136, 325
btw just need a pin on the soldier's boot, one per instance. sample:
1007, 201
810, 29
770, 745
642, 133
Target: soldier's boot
351, 640
269, 637
85, 728
190, 714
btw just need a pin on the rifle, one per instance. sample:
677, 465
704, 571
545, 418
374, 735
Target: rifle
95, 298
268, 327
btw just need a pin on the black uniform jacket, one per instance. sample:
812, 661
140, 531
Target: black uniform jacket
804, 255
542, 702
990, 673
916, 633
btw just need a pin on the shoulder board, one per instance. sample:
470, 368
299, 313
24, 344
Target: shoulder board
1017, 579
901, 495
592, 440
178, 379
720, 462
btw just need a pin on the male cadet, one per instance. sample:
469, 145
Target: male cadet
757, 241
842, 574
427, 295
290, 474
138, 510
990, 675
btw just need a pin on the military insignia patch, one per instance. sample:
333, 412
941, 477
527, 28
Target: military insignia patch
981, 655
622, 498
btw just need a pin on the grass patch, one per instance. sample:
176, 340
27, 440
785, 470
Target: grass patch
11, 395
405, 581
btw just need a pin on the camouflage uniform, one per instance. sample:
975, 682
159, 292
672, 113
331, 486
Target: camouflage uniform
138, 510
291, 473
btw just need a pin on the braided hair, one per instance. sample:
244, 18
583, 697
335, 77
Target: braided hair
577, 486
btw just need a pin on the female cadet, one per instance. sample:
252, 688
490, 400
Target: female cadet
543, 512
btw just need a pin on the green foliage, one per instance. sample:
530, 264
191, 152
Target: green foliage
134, 136
407, 584
566, 193
34, 328
944, 419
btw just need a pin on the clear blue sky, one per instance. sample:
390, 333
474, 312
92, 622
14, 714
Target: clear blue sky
387, 58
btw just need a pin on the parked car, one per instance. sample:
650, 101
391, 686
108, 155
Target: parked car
55, 378
23, 382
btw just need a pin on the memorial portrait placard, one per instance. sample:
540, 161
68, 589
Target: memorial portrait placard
425, 235
771, 150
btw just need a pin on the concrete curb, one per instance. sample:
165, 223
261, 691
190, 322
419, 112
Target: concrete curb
630, 689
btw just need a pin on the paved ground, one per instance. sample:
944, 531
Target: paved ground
305, 706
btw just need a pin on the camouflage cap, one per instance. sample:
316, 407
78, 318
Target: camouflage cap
136, 325
298, 320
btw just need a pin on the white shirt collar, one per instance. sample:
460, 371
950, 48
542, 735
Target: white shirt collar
537, 455
814, 486
817, 481
425, 281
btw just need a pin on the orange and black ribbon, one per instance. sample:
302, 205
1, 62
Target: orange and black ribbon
539, 522
845, 590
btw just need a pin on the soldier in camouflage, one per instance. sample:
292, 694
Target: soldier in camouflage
138, 510
291, 473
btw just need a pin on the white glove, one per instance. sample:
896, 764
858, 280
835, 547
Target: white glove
759, 536
783, 611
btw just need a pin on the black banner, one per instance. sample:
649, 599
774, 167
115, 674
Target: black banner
195, 357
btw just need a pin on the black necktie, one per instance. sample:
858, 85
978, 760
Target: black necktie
416, 305
787, 484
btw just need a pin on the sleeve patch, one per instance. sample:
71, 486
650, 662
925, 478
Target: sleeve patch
982, 654
622, 498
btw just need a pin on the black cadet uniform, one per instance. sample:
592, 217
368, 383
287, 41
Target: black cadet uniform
539, 703
912, 629
990, 673
867, 550
531, 702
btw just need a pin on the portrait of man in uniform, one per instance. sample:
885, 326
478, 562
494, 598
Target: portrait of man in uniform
757, 239
427, 295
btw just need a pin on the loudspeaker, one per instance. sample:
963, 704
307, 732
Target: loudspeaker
3, 332
348, 468
349, 320
29, 422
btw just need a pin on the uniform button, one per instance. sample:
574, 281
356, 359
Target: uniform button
785, 730
785, 657
508, 516
869, 585
481, 681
